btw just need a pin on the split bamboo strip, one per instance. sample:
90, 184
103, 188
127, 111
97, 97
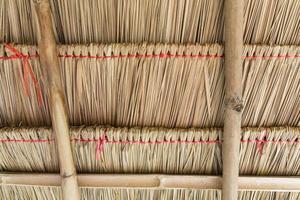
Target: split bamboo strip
54, 193
233, 97
143, 85
263, 151
58, 108
156, 181
168, 21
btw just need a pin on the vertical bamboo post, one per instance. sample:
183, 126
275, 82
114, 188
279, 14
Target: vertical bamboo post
59, 118
233, 97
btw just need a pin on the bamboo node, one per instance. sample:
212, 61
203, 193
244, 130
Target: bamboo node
37, 1
67, 175
235, 103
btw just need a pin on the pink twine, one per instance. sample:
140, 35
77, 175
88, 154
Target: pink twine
100, 145
260, 145
161, 55
27, 72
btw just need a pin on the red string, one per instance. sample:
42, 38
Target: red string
27, 140
105, 140
260, 145
100, 145
27, 72
165, 55
161, 55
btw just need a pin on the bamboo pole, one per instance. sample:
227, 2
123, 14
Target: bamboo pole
156, 181
233, 97
59, 118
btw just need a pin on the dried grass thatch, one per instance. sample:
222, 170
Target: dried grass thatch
265, 151
54, 193
132, 21
171, 85
155, 85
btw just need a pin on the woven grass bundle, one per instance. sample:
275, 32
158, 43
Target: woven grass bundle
263, 151
201, 21
54, 193
153, 85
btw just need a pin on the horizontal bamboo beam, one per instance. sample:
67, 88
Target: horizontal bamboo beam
156, 181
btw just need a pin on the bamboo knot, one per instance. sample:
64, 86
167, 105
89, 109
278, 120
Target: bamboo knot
235, 103
67, 175
38, 1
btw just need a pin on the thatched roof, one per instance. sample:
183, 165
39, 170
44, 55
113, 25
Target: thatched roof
131, 21
271, 151
155, 85
144, 87
53, 193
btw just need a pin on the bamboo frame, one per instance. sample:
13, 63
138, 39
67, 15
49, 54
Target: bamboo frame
233, 97
59, 118
156, 181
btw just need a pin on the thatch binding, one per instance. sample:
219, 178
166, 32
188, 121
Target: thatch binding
263, 151
154, 85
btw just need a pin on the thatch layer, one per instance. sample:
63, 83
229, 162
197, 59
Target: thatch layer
265, 151
54, 193
153, 85
132, 21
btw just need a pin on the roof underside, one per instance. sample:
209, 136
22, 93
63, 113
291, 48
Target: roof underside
144, 85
